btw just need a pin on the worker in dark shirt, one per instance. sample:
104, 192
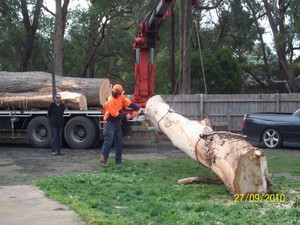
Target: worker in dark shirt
56, 121
113, 117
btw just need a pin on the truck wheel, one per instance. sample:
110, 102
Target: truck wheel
39, 133
271, 138
80, 132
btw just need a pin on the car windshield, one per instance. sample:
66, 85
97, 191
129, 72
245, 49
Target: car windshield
297, 112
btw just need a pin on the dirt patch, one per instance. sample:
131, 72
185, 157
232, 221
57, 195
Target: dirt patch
287, 176
22, 164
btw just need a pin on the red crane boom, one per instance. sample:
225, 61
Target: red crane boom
144, 44
144, 49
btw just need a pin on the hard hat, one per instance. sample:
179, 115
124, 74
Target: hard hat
118, 88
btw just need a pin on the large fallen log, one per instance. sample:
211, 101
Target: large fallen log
242, 167
37, 100
96, 90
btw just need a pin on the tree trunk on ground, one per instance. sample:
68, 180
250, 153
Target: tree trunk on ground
241, 167
38, 100
96, 90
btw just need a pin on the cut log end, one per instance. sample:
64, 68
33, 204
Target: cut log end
252, 173
104, 91
74, 100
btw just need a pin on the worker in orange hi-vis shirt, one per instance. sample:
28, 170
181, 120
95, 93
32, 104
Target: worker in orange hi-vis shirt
113, 117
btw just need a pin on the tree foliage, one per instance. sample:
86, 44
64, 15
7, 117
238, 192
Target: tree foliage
223, 73
98, 42
236, 32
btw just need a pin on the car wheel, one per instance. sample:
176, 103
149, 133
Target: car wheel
80, 132
271, 138
39, 133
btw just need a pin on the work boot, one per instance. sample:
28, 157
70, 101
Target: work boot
119, 162
102, 161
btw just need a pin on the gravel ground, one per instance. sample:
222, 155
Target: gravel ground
22, 164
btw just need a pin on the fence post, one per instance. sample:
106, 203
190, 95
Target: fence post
229, 122
277, 96
201, 107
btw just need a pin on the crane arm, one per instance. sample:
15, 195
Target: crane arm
144, 44
149, 28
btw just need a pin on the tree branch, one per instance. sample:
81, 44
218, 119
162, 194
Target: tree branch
256, 78
210, 7
48, 10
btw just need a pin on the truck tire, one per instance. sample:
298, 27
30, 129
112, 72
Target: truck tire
271, 138
39, 132
80, 132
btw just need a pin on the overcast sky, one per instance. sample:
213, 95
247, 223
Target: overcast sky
73, 4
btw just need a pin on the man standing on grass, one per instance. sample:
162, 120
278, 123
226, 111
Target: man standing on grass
56, 121
113, 117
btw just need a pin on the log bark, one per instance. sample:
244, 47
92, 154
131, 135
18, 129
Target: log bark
241, 166
37, 100
96, 90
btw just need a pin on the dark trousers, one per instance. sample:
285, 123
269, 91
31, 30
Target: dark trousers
112, 131
56, 139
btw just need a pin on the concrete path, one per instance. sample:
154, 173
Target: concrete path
26, 204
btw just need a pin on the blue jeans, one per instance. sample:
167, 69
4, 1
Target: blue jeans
112, 131
56, 139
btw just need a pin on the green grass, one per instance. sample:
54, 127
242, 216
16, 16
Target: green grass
146, 192
279, 163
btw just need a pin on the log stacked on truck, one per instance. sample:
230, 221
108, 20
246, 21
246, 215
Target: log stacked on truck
242, 167
32, 90
41, 100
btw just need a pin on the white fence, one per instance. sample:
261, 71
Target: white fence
227, 111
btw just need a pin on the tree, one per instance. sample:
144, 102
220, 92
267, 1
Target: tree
256, 15
22, 36
92, 31
185, 24
294, 27
172, 66
99, 40
277, 23
185, 27
59, 30
236, 29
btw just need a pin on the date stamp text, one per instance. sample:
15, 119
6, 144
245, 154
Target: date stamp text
279, 198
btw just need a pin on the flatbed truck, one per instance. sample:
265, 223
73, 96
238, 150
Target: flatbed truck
82, 128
